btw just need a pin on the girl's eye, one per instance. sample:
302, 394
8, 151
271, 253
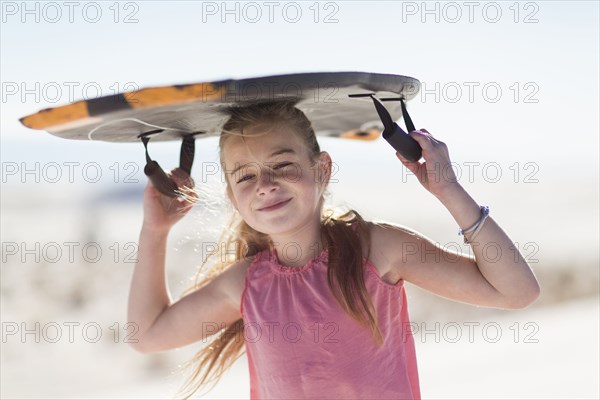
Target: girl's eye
245, 178
278, 166
250, 176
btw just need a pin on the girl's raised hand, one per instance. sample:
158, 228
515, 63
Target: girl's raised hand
435, 173
162, 212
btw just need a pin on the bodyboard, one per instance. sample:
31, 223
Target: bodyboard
337, 103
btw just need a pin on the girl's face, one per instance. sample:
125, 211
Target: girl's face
272, 182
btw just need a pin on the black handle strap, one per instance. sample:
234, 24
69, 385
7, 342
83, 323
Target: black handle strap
407, 120
401, 141
186, 156
155, 173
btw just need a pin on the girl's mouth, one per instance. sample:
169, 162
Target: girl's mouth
275, 206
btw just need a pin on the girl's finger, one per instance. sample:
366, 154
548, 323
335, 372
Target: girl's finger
424, 139
411, 166
403, 160
400, 157
181, 178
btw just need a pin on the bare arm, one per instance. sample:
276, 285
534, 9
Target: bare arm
162, 324
165, 325
148, 295
504, 280
498, 282
497, 259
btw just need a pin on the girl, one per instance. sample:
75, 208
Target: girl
317, 301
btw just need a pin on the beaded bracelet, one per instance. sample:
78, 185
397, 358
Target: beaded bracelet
485, 211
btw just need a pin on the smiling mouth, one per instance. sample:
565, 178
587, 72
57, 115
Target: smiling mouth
275, 206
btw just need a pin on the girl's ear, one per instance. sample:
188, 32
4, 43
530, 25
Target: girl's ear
325, 165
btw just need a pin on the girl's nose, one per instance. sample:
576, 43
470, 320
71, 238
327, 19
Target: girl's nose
266, 181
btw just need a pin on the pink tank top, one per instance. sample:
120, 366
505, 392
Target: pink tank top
301, 344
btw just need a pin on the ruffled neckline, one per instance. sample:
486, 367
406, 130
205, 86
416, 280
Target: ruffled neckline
272, 255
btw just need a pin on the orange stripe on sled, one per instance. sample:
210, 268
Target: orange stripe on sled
163, 96
361, 134
56, 116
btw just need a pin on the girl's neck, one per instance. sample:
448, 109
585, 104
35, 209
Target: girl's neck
298, 250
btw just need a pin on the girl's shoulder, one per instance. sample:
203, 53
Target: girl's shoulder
385, 240
233, 279
387, 234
